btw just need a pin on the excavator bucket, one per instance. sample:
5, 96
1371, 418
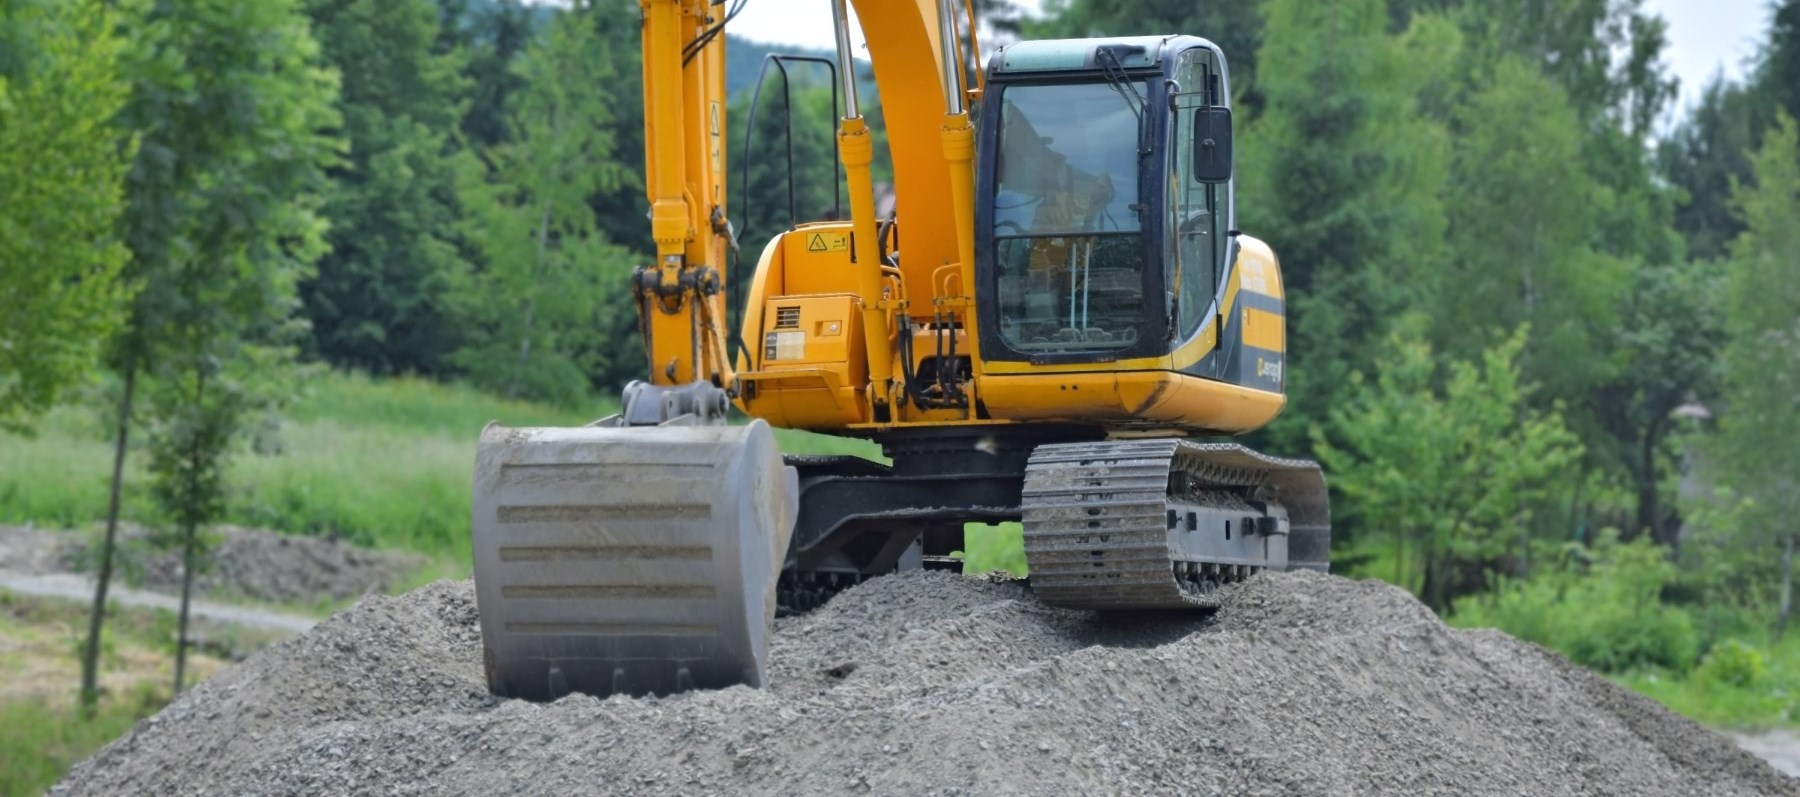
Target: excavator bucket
628, 559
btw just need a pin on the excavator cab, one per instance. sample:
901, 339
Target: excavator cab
1103, 224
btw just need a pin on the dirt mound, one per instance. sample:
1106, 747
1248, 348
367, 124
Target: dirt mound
933, 684
263, 565
244, 563
32, 551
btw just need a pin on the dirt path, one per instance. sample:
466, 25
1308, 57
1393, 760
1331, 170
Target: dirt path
80, 588
1778, 747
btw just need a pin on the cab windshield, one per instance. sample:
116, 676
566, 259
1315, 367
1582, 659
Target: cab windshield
1066, 229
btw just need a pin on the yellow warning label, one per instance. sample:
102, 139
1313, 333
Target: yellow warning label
828, 242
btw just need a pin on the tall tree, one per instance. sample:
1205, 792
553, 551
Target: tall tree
1705, 152
495, 37
1448, 473
1521, 234
1757, 447
378, 300
1664, 350
535, 322
230, 104
1567, 90
1341, 173
1777, 72
64, 167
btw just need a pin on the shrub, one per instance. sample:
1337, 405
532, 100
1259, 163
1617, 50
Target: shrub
1602, 608
1732, 663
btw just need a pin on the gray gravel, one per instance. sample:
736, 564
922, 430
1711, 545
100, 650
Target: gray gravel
935, 684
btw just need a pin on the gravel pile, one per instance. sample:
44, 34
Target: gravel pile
935, 684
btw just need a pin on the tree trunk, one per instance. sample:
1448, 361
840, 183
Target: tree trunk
190, 529
1399, 557
1427, 581
90, 655
1787, 586
187, 588
1649, 509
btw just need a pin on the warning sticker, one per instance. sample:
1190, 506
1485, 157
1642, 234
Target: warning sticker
790, 345
828, 242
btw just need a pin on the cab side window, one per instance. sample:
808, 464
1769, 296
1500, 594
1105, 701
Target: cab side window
1196, 215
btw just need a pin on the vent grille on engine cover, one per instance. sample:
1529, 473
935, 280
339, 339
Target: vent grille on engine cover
787, 318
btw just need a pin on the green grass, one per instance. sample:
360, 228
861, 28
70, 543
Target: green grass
998, 547
40, 739
41, 732
380, 463
1732, 697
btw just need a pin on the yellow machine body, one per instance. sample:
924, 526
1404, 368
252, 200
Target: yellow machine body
1058, 301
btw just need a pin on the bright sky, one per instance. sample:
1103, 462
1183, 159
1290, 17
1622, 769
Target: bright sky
1705, 36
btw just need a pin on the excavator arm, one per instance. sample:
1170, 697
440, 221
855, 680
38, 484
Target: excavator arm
680, 297
640, 554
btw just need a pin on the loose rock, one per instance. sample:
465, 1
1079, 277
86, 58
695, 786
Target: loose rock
928, 683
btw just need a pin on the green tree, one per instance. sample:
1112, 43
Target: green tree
495, 36
535, 325
1664, 350
1757, 447
620, 207
63, 190
230, 104
1449, 461
1777, 75
1341, 173
378, 300
1522, 224
1708, 149
1556, 213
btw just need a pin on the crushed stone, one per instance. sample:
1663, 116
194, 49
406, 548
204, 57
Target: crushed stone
933, 684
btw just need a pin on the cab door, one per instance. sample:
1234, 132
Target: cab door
1198, 218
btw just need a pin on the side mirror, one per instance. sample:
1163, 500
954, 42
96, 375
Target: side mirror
1212, 144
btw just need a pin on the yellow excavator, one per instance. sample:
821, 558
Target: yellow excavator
1057, 305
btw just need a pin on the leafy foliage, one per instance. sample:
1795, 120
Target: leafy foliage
1451, 472
378, 299
231, 105
64, 167
1344, 172
535, 329
1757, 447
1601, 607
1733, 663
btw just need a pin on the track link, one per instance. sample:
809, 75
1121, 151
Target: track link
1160, 524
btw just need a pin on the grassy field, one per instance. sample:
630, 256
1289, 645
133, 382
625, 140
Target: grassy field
40, 735
1749, 684
380, 463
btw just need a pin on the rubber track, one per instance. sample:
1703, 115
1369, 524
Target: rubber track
1095, 522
